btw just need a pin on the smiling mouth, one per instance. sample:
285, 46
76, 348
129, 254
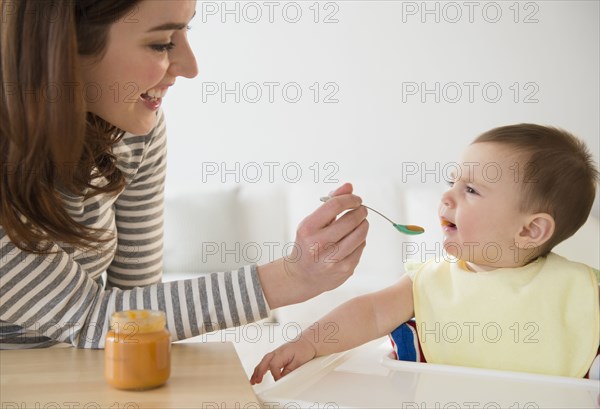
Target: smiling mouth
154, 95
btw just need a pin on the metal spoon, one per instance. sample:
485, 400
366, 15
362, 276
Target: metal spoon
403, 228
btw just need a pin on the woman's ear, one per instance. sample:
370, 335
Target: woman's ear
536, 231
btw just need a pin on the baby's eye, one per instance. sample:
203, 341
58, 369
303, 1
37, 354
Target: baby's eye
450, 183
471, 190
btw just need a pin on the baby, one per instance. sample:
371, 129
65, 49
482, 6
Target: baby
502, 300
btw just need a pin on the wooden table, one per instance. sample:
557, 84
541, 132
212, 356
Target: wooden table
203, 375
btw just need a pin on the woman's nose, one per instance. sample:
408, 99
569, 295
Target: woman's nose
183, 62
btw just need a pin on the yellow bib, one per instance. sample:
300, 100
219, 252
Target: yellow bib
541, 318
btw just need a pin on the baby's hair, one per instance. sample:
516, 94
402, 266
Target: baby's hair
557, 173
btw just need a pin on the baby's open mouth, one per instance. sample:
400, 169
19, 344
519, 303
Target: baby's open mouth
446, 224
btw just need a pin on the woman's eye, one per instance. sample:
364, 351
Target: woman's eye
162, 47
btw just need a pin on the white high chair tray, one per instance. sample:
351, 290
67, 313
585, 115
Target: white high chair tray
367, 377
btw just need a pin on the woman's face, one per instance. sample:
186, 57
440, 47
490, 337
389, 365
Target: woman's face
146, 51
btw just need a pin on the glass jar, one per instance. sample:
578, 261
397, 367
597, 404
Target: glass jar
137, 351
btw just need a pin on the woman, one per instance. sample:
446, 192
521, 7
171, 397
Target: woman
83, 165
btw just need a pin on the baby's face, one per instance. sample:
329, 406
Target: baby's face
479, 213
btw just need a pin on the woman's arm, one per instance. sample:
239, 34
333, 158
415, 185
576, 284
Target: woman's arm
53, 296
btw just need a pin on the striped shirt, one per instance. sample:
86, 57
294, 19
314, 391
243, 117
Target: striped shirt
61, 297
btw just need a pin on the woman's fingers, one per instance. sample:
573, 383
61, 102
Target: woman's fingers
345, 189
319, 259
343, 268
346, 246
344, 226
320, 239
333, 247
329, 211
350, 262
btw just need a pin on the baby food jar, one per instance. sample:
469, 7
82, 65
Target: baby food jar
137, 351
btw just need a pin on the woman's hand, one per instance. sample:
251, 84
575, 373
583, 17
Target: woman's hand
326, 251
284, 360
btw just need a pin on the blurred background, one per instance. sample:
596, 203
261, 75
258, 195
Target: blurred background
365, 89
295, 98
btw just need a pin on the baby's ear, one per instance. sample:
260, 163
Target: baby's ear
537, 230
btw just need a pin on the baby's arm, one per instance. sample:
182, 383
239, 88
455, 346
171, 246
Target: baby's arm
355, 322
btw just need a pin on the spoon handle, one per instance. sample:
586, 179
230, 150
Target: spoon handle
326, 198
410, 229
386, 218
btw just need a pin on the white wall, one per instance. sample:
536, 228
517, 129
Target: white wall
374, 51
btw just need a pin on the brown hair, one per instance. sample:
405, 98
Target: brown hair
49, 144
558, 175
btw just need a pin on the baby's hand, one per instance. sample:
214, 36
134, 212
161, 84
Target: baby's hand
284, 360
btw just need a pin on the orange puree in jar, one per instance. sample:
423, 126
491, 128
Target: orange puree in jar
137, 351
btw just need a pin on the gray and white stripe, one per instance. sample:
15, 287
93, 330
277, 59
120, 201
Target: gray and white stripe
60, 297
